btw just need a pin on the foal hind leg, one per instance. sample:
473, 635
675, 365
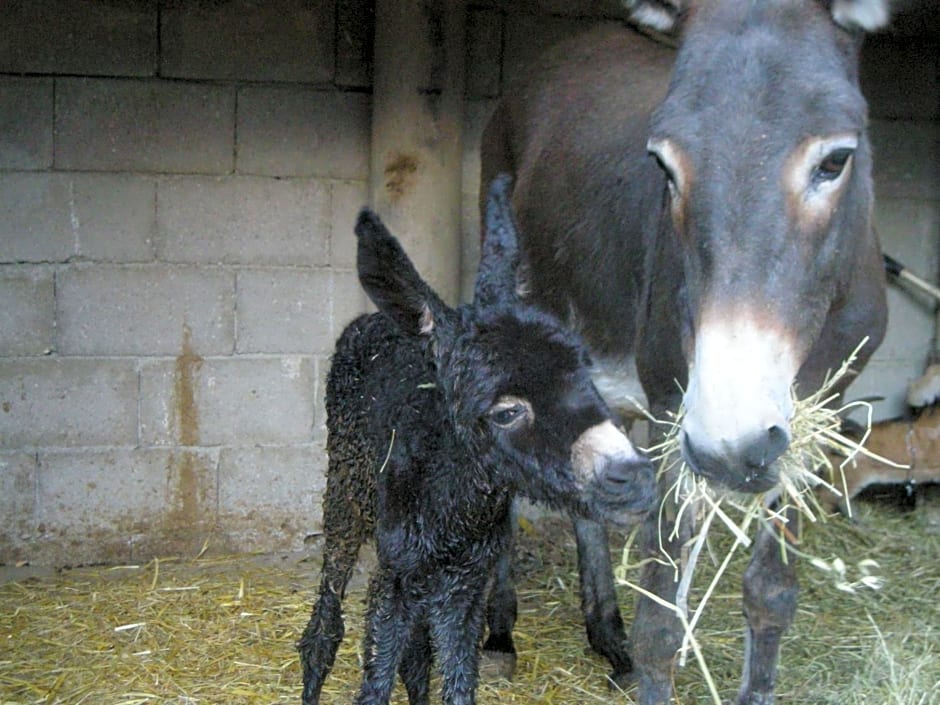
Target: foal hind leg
602, 618
770, 600
325, 630
346, 528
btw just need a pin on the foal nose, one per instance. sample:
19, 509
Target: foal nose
630, 482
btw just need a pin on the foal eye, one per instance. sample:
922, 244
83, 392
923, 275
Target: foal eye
832, 166
507, 413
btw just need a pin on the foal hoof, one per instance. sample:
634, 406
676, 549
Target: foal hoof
620, 680
497, 665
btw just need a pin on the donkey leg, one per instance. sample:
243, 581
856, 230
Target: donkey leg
602, 618
498, 659
415, 667
770, 599
657, 632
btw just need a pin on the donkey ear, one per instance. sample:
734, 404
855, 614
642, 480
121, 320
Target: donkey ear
496, 279
867, 15
661, 15
391, 281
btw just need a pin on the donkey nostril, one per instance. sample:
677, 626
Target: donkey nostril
767, 449
777, 441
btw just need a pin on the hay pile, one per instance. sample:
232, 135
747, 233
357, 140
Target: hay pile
223, 630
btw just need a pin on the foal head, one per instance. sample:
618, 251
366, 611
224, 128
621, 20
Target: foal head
516, 385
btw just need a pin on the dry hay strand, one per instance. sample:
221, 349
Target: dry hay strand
815, 439
223, 630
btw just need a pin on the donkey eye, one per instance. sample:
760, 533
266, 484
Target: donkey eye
833, 165
509, 412
665, 168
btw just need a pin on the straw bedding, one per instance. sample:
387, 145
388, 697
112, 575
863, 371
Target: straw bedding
222, 630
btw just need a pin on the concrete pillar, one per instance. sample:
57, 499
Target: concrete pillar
417, 113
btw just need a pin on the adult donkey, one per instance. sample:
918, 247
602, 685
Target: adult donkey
714, 229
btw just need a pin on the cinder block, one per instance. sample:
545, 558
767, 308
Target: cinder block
239, 401
276, 40
349, 300
284, 485
243, 220
27, 316
908, 231
484, 52
85, 38
112, 498
284, 311
25, 122
355, 35
17, 504
36, 217
115, 217
68, 402
348, 199
907, 159
145, 310
296, 131
149, 126
886, 382
319, 410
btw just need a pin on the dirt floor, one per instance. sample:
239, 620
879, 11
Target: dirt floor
222, 629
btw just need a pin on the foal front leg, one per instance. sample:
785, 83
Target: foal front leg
770, 599
456, 621
389, 624
602, 618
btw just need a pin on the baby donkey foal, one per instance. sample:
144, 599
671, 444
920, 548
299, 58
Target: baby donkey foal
437, 418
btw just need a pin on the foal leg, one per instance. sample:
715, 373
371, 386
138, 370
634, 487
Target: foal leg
456, 621
498, 659
602, 618
390, 621
770, 599
345, 531
415, 668
657, 632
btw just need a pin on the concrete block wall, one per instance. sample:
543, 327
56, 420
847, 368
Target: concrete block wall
178, 184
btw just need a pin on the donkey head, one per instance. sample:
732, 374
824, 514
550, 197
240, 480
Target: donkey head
516, 384
767, 180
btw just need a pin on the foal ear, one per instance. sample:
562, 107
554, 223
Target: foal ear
391, 281
496, 279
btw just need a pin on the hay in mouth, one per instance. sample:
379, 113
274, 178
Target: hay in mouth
816, 440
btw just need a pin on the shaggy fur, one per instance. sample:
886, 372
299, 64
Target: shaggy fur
437, 418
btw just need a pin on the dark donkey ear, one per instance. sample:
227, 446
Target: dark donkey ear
391, 281
496, 279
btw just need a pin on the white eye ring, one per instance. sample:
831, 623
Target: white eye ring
827, 161
510, 411
666, 155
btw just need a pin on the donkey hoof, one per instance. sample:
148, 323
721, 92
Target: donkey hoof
497, 665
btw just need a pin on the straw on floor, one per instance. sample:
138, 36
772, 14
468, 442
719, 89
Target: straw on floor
222, 630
